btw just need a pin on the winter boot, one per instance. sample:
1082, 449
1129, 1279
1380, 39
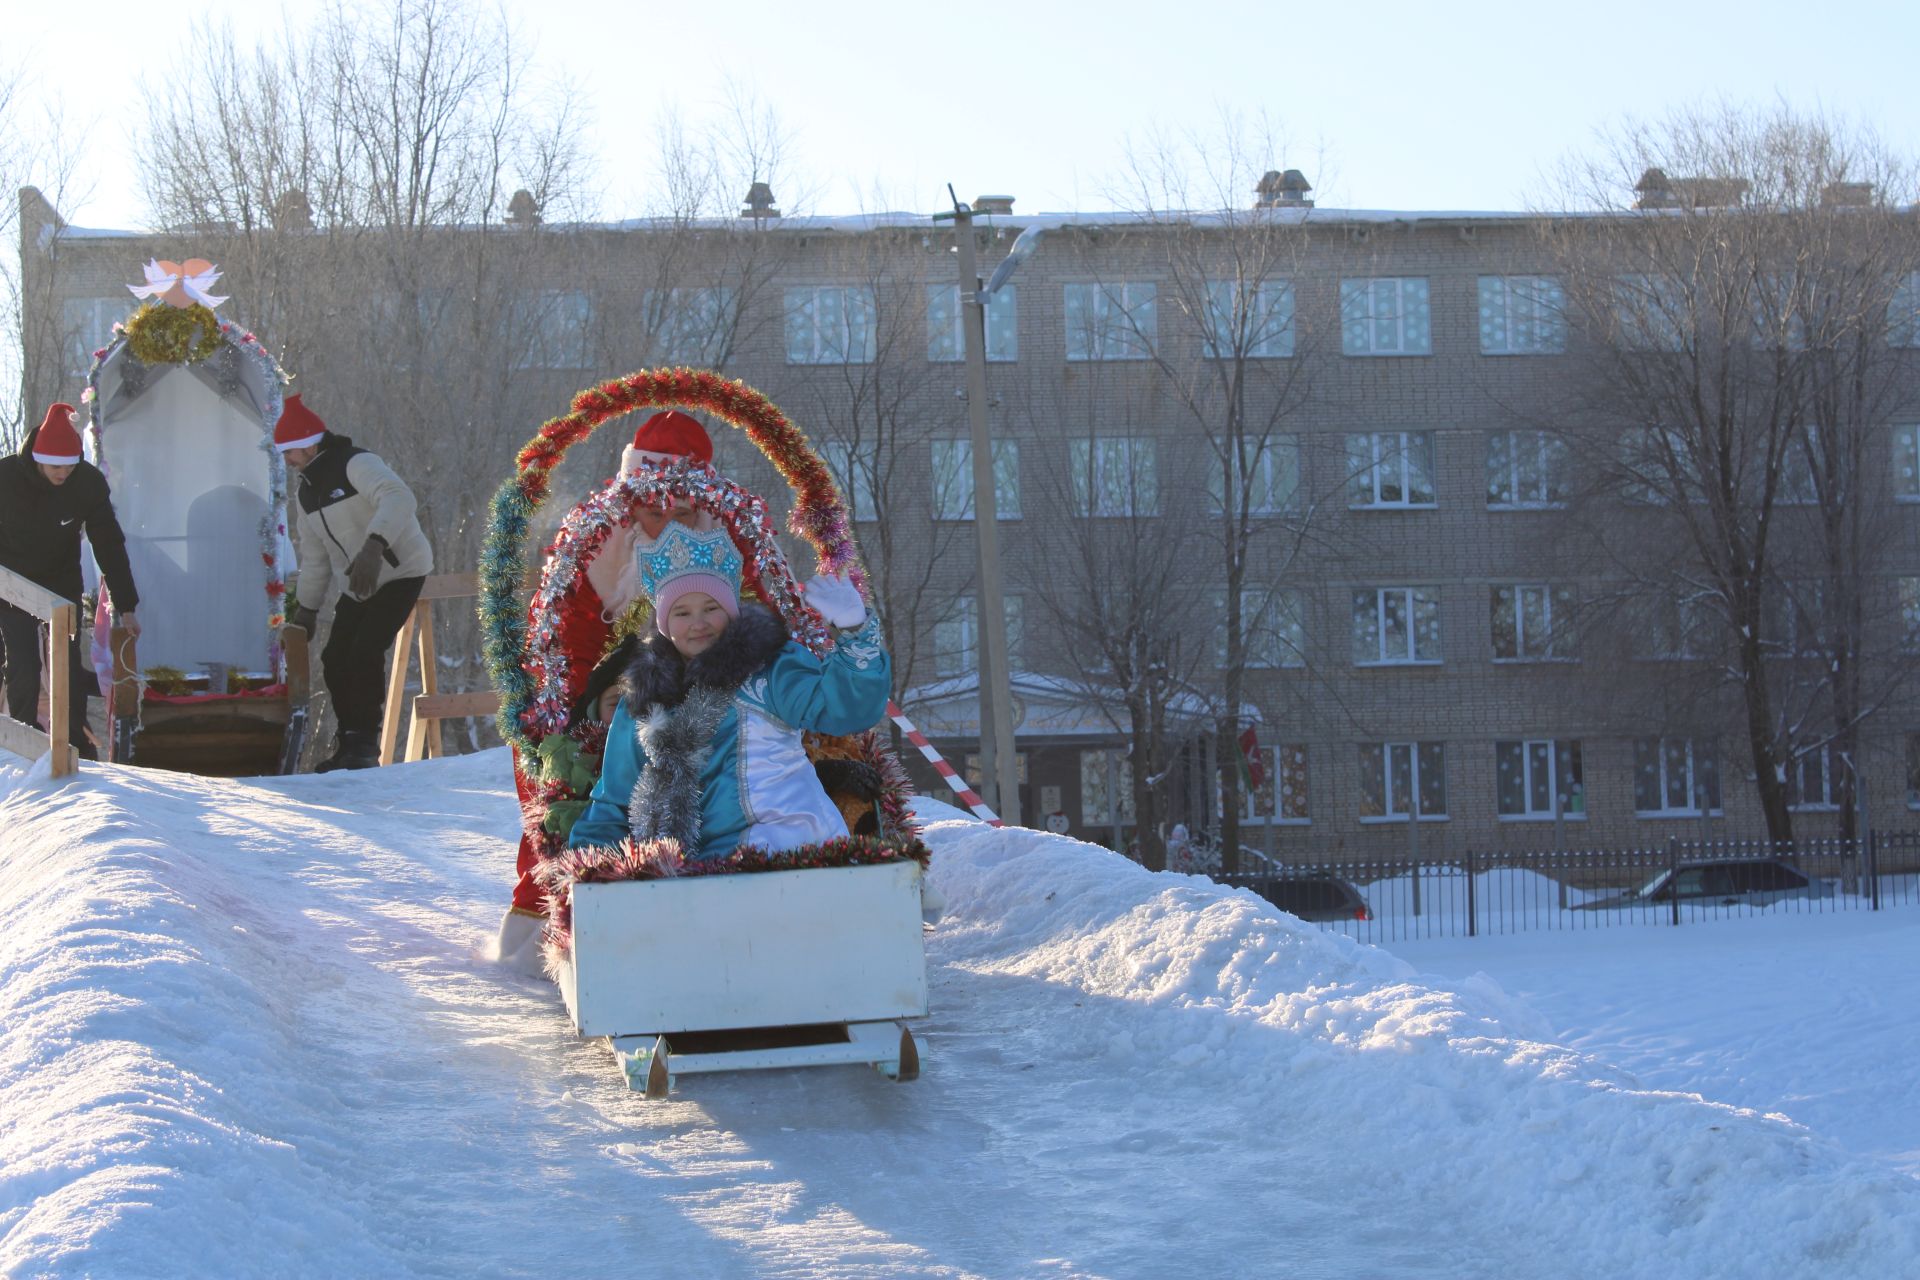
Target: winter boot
355, 750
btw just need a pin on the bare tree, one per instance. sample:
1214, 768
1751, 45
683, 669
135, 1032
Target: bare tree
859, 380
1731, 324
38, 154
1227, 237
1127, 616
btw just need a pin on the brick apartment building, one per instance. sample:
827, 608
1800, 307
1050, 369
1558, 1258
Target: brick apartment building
1425, 536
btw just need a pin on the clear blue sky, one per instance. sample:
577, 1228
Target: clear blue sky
1387, 105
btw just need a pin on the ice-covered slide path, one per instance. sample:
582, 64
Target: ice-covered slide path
249, 1028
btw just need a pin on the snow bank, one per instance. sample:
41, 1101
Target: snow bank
1449, 1096
245, 1028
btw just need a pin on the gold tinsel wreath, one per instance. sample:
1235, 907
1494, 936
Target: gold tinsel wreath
173, 335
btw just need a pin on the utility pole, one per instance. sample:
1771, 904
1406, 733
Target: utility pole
999, 760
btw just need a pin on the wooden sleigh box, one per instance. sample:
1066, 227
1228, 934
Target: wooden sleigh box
833, 954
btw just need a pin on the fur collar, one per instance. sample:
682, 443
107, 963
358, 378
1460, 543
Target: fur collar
660, 677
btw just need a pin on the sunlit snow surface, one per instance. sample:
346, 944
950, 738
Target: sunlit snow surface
251, 1028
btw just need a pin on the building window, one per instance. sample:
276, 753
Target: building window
1794, 610
1681, 628
1903, 313
1111, 321
1283, 781
1913, 771
1272, 622
1106, 788
1115, 475
1395, 777
956, 636
1253, 322
1675, 778
945, 341
87, 327
1910, 613
1811, 781
1650, 313
975, 779
854, 475
1539, 778
1385, 316
1526, 469
1532, 623
1522, 316
1396, 626
550, 329
953, 479
1268, 481
1390, 469
1658, 467
1906, 463
831, 324
690, 326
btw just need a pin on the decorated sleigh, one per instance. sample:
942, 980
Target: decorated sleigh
182, 406
761, 959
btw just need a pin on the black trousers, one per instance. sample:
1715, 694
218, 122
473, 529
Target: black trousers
355, 659
20, 648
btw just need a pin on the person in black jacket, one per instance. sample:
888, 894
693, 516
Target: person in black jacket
49, 495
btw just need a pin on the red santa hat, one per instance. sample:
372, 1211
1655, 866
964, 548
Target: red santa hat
299, 427
667, 436
57, 443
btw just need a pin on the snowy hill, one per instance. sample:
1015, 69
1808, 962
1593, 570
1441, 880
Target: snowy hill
249, 1028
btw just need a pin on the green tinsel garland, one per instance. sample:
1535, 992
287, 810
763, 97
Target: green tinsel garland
172, 335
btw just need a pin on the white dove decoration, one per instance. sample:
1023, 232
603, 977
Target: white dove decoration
180, 284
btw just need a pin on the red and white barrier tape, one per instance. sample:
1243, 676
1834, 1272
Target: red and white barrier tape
946, 771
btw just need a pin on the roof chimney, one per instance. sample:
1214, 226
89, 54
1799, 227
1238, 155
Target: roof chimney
1279, 190
760, 202
1657, 191
523, 210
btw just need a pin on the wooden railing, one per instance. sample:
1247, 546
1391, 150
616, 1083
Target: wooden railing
430, 706
17, 731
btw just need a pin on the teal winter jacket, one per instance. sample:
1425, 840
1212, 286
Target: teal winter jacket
732, 718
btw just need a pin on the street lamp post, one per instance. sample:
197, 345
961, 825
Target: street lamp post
999, 762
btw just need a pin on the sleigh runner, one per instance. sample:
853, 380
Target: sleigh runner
756, 959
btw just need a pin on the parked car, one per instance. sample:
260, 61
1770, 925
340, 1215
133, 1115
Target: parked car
1732, 882
1314, 896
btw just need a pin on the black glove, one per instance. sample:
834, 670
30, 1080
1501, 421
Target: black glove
363, 575
304, 618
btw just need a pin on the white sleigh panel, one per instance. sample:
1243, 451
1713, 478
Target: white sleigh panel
769, 949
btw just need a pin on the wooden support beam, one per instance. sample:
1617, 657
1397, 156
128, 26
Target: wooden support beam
397, 679
450, 586
22, 738
59, 669
31, 596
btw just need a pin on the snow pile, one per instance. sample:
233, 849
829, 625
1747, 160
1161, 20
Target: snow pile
247, 1027
1451, 1097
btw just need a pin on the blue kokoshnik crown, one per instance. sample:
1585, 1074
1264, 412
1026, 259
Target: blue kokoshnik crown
679, 552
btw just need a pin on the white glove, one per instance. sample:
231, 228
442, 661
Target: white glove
836, 599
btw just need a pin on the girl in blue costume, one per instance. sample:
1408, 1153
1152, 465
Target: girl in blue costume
705, 745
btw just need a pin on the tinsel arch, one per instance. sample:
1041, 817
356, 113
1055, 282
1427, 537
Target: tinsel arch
526, 665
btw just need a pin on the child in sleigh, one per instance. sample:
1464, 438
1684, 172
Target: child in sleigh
705, 745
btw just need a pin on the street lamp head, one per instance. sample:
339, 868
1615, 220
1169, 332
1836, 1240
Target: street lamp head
1022, 249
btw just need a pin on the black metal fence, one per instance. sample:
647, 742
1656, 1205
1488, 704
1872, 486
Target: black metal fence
1679, 882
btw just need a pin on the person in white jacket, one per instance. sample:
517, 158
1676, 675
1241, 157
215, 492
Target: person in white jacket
355, 527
